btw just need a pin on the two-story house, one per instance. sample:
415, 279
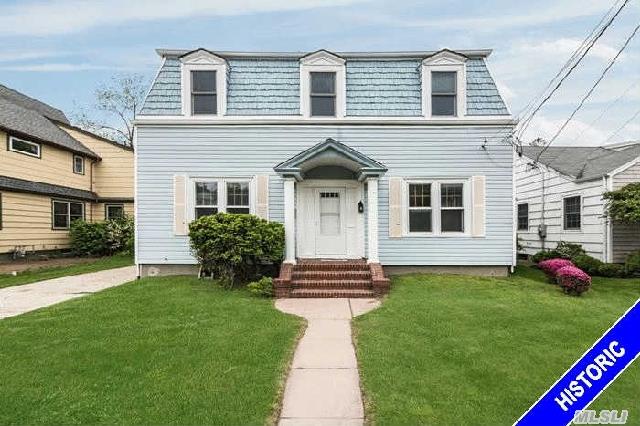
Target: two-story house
396, 159
52, 173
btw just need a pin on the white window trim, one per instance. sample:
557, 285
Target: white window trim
518, 217
222, 194
201, 60
68, 203
576, 230
445, 62
81, 172
322, 61
436, 208
12, 149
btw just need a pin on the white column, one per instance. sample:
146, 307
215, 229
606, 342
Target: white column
289, 220
372, 204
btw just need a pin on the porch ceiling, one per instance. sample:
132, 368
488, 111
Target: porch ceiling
330, 153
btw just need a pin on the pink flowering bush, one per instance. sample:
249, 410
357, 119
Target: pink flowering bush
573, 280
551, 266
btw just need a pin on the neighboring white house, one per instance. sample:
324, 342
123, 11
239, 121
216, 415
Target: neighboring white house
559, 198
387, 158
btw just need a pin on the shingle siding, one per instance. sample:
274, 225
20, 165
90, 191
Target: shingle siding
263, 87
483, 97
382, 88
165, 96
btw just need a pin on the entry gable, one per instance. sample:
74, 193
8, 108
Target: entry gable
330, 153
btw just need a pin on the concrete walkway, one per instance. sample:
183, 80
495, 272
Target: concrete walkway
19, 299
323, 387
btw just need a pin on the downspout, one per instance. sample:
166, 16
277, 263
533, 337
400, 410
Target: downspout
607, 182
93, 162
542, 232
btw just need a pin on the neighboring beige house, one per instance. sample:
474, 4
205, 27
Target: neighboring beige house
52, 173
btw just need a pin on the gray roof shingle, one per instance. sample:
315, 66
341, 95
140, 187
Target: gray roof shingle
583, 163
21, 185
32, 123
26, 102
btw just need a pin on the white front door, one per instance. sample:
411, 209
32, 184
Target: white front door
328, 222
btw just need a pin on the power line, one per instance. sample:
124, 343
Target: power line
606, 109
590, 91
569, 61
573, 66
626, 123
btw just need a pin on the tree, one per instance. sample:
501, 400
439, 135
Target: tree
116, 105
623, 205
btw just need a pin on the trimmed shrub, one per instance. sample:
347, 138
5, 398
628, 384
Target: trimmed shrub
589, 264
551, 266
102, 238
233, 246
567, 250
573, 280
263, 287
543, 255
632, 263
612, 270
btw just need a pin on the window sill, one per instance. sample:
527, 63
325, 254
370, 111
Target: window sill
434, 235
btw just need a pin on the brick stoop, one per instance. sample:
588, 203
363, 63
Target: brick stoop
331, 278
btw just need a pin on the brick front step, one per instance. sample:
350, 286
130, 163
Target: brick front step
346, 284
332, 275
331, 278
300, 292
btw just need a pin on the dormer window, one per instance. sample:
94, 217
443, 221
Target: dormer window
322, 85
204, 84
444, 85
323, 94
203, 92
443, 93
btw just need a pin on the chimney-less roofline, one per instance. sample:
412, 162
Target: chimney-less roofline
350, 55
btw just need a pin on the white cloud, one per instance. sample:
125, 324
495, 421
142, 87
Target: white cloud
577, 133
68, 16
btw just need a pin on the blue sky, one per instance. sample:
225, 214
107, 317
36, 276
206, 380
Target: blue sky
60, 51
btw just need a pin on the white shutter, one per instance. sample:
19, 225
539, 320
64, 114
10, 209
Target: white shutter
395, 207
180, 205
478, 193
262, 196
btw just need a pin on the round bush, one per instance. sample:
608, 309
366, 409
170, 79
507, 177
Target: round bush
612, 270
233, 246
102, 238
551, 266
573, 280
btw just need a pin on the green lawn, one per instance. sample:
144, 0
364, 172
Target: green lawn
45, 273
469, 350
170, 350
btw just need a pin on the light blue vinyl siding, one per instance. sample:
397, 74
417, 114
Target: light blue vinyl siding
375, 88
263, 87
408, 151
384, 88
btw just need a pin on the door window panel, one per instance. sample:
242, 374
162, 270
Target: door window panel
330, 213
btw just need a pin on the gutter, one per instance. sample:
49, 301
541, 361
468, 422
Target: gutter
179, 120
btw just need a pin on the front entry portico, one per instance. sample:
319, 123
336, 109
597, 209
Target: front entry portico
326, 188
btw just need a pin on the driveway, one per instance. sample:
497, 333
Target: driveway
19, 299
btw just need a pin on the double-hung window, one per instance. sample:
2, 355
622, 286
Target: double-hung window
222, 195
78, 164
420, 211
323, 94
65, 212
204, 97
523, 217
24, 147
572, 212
113, 211
452, 207
443, 93
436, 207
